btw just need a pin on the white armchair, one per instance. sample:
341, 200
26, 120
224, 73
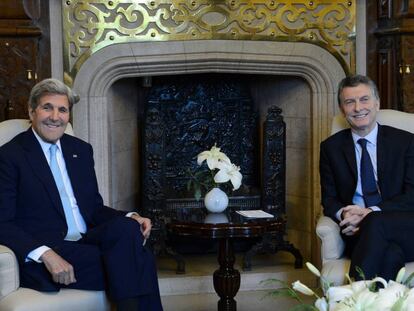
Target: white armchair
15, 298
334, 265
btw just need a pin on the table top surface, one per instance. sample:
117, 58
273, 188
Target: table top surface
198, 222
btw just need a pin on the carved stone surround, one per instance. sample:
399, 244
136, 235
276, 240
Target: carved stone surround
316, 66
91, 116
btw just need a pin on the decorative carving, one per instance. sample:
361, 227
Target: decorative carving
94, 24
189, 116
274, 162
384, 9
407, 76
16, 56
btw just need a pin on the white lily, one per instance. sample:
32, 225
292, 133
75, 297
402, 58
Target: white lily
408, 304
313, 269
228, 171
388, 296
339, 293
321, 304
213, 157
302, 288
400, 275
364, 301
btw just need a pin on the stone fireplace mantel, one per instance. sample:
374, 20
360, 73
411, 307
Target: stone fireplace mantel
313, 64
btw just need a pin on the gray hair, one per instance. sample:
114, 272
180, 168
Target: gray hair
50, 87
355, 80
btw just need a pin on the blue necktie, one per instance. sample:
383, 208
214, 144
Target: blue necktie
73, 232
369, 185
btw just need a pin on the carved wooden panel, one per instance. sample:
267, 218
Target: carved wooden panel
407, 72
390, 54
387, 79
24, 53
17, 75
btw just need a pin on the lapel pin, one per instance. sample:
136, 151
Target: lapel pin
75, 155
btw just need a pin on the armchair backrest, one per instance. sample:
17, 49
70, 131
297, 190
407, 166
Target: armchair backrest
395, 118
10, 128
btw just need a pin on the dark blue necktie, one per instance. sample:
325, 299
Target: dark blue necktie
369, 185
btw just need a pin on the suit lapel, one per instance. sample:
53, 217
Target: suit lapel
38, 162
381, 155
72, 164
348, 149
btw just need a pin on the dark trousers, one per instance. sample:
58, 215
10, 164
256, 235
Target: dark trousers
384, 244
109, 257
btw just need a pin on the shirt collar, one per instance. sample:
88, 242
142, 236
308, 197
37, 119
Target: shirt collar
45, 145
371, 137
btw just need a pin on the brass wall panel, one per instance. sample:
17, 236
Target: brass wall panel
90, 25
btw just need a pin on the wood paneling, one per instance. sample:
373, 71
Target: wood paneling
390, 53
24, 53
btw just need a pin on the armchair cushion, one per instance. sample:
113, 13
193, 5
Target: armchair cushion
9, 271
332, 244
11, 128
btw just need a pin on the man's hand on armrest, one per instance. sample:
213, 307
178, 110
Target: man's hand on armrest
62, 272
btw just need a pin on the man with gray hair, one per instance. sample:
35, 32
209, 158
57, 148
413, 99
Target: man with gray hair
367, 183
53, 217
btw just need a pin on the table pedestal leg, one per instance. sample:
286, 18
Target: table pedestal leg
226, 279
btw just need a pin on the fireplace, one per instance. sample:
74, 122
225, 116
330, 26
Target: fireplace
300, 77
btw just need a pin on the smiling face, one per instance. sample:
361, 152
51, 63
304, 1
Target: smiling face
359, 106
50, 117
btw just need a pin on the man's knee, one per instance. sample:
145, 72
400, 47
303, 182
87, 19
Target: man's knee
372, 223
126, 227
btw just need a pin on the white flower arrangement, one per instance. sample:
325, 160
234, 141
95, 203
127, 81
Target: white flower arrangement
221, 170
356, 296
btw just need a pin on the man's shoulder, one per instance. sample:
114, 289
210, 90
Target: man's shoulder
395, 132
337, 138
17, 142
74, 142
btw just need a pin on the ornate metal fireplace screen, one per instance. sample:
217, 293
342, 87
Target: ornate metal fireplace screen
192, 114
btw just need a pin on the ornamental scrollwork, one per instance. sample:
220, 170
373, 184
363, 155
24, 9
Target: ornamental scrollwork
90, 25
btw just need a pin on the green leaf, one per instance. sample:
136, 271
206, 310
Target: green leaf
197, 194
360, 272
303, 307
408, 280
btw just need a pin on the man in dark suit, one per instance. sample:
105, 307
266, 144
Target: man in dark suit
53, 217
372, 200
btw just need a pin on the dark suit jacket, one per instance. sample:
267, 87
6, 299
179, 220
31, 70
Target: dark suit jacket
31, 212
395, 169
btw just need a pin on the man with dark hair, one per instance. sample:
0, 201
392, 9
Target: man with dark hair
367, 183
53, 217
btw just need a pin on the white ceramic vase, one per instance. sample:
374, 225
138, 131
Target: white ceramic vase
216, 200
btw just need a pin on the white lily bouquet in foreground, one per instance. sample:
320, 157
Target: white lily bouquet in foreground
356, 296
220, 171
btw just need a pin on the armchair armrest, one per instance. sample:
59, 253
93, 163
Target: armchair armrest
332, 244
9, 271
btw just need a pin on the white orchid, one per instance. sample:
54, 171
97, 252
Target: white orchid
228, 171
213, 157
